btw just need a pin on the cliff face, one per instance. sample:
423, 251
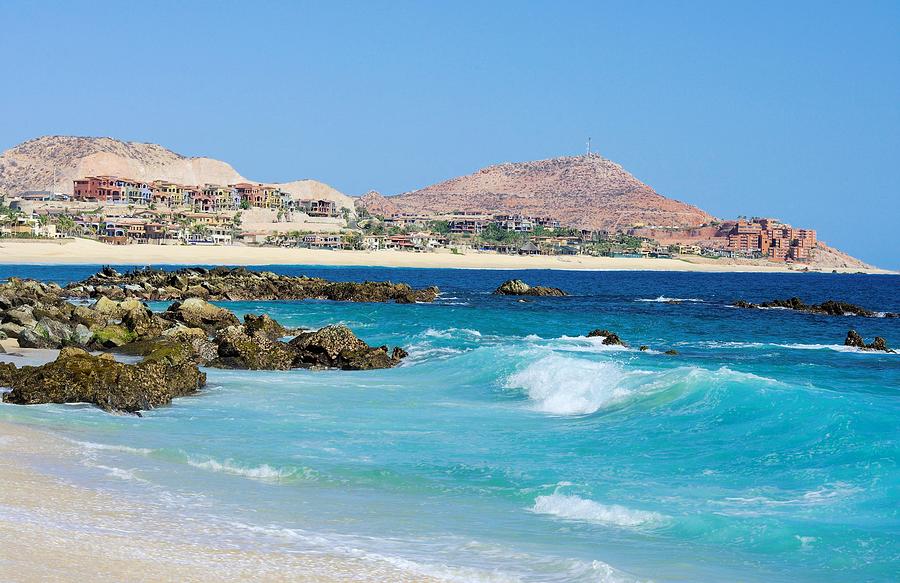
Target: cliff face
53, 162
585, 191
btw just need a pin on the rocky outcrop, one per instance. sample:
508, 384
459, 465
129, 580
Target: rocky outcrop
828, 308
517, 287
236, 348
855, 340
338, 347
264, 326
224, 283
38, 315
609, 338
199, 313
78, 377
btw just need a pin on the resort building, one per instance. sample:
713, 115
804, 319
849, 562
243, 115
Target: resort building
771, 239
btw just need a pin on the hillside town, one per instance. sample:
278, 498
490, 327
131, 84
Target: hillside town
121, 211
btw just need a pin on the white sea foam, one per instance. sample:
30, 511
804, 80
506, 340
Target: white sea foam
120, 473
664, 299
571, 507
567, 386
791, 346
263, 472
89, 445
589, 344
824, 495
451, 333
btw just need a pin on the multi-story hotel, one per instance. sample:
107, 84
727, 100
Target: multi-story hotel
772, 239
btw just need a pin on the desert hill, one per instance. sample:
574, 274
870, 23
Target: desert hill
585, 191
53, 162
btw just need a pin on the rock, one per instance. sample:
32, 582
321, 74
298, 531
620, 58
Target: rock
878, 344
177, 348
57, 333
828, 308
264, 326
609, 338
143, 323
23, 316
77, 377
337, 346
196, 291
644, 348
11, 329
517, 287
671, 352
854, 339
89, 317
82, 335
107, 307
31, 338
113, 336
237, 349
199, 313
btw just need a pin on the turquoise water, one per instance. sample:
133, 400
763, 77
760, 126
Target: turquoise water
510, 447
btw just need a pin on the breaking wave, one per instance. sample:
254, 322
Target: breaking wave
451, 333
263, 472
568, 386
665, 299
571, 507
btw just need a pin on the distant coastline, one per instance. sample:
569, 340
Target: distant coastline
83, 252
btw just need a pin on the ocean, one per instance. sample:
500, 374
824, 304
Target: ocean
508, 446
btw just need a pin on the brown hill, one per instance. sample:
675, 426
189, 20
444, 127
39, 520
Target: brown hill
378, 204
585, 191
53, 162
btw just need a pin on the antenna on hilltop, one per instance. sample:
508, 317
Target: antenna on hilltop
589, 147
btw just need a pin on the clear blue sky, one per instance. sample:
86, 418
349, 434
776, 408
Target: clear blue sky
758, 108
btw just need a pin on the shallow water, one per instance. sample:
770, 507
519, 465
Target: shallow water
510, 447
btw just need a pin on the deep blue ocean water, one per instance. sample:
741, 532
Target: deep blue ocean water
509, 446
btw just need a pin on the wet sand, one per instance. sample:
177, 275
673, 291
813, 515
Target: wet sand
52, 530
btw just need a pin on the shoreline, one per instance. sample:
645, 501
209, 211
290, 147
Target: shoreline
54, 530
87, 252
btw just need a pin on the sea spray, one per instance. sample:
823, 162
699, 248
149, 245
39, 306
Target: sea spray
568, 386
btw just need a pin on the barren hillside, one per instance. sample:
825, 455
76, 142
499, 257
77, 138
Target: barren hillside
586, 191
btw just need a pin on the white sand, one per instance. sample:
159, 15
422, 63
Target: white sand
83, 251
51, 530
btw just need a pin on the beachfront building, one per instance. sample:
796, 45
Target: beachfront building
319, 208
770, 238
467, 224
167, 194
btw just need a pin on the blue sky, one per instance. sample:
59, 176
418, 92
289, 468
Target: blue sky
758, 108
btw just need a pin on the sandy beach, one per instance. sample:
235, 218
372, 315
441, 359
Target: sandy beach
54, 530
83, 251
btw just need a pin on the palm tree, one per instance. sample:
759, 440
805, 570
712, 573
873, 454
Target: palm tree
66, 224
